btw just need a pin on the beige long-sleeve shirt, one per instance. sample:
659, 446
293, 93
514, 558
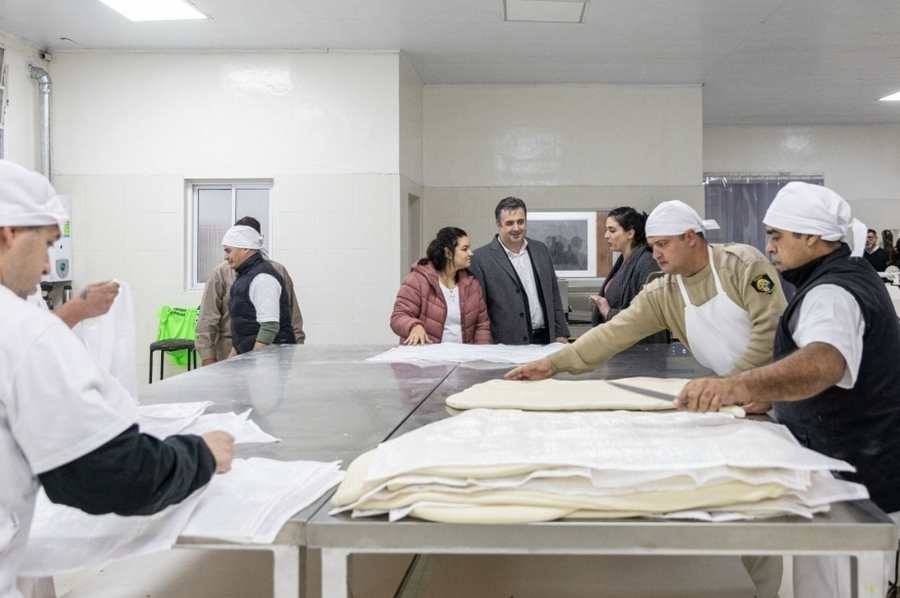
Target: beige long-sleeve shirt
212, 337
746, 275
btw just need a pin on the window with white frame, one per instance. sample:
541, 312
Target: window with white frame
215, 206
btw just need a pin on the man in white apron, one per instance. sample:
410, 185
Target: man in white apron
722, 301
835, 378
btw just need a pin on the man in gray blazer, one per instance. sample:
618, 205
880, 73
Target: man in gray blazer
518, 282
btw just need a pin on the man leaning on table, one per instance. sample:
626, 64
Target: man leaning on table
721, 301
64, 422
835, 381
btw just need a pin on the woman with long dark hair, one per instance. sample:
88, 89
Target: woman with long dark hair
440, 301
625, 234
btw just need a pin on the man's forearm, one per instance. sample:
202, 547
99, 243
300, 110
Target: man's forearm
802, 374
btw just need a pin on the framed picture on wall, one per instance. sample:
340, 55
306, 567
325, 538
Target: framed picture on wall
571, 238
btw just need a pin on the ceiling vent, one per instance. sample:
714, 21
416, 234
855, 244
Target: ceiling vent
545, 11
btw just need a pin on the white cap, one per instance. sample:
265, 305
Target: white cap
676, 218
28, 199
244, 237
815, 210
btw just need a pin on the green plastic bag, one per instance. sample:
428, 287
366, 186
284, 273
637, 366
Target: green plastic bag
177, 322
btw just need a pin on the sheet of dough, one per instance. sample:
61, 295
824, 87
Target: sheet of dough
567, 395
646, 502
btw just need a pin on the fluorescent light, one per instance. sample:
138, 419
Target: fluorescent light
545, 11
155, 10
894, 97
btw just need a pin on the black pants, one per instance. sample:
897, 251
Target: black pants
541, 336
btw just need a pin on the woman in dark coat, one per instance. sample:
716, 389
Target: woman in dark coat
625, 234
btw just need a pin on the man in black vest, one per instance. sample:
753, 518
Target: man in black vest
835, 380
259, 306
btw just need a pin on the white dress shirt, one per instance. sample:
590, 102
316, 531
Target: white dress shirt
522, 264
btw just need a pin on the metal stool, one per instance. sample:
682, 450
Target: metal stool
172, 344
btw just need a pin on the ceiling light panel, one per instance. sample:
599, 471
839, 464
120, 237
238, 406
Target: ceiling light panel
155, 10
894, 97
545, 11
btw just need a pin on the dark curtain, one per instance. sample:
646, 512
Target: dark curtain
739, 202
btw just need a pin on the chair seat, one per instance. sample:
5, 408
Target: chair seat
172, 344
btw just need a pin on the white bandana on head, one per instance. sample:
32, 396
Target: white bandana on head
28, 199
816, 210
676, 218
243, 237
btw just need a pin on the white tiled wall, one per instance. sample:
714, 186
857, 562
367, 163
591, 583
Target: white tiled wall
324, 128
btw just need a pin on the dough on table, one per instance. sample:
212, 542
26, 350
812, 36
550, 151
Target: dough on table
568, 395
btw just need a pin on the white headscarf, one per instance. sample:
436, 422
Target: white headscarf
28, 199
676, 218
244, 237
816, 210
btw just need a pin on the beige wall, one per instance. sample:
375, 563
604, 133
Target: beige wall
557, 147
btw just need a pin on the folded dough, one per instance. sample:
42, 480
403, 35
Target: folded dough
568, 395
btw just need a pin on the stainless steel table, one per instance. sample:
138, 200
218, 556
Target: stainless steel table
325, 403
859, 529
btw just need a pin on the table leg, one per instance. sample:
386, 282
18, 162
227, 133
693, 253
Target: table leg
335, 573
415, 582
286, 571
869, 574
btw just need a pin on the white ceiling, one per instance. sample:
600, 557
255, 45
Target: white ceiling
777, 62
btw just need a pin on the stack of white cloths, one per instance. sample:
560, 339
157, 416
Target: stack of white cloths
505, 466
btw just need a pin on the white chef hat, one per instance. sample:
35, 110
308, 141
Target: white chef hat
815, 210
676, 218
28, 199
244, 237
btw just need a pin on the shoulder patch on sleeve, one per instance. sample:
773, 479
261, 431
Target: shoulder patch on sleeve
763, 284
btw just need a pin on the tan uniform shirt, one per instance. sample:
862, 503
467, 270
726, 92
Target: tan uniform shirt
748, 278
213, 333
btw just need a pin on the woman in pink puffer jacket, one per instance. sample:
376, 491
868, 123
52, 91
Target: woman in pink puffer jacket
440, 301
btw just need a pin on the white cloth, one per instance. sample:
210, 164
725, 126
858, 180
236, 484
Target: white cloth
717, 331
676, 218
110, 339
829, 576
37, 299
521, 263
453, 321
65, 539
28, 199
56, 405
257, 497
830, 314
265, 295
816, 210
462, 353
501, 459
243, 237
